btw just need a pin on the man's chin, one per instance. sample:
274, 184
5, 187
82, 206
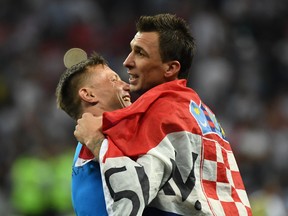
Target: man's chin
126, 104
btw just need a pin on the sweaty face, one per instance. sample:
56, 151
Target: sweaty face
145, 67
112, 92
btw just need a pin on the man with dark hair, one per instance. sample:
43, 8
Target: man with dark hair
166, 154
89, 86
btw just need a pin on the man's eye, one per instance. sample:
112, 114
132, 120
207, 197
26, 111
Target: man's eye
114, 79
139, 52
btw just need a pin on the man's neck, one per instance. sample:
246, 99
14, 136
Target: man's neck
94, 111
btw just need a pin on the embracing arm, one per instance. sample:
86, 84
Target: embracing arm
137, 162
88, 131
130, 185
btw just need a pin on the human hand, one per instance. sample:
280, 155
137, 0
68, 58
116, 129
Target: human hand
88, 131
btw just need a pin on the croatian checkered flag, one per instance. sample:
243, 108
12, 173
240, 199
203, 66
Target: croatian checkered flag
166, 154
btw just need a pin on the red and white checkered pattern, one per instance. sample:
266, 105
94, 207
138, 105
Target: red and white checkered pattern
224, 189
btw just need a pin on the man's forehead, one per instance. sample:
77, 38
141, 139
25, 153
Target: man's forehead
137, 34
145, 38
99, 70
105, 70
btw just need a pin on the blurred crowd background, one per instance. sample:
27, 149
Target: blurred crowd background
240, 71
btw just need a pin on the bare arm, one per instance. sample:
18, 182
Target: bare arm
88, 131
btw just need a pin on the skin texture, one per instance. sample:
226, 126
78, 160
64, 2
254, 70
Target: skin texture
145, 65
103, 91
104, 88
92, 139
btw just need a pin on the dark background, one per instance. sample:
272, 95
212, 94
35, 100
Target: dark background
240, 71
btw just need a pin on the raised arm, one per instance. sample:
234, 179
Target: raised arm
88, 131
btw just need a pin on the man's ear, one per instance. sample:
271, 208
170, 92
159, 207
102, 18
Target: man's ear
87, 95
172, 69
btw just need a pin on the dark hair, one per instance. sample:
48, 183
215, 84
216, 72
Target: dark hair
175, 39
70, 83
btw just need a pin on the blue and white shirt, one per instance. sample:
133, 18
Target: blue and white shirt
87, 191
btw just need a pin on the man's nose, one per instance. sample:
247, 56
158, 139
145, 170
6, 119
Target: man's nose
128, 61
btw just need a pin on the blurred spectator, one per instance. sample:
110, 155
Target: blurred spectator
268, 201
242, 52
41, 186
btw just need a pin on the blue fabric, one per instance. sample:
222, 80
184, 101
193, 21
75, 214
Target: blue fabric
87, 191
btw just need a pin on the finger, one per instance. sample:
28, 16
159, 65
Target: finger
75, 133
76, 130
87, 115
79, 120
